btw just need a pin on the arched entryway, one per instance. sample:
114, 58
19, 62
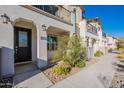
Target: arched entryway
25, 42
90, 47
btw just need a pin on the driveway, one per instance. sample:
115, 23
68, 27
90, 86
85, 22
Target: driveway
98, 75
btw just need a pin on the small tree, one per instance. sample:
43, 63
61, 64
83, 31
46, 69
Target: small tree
72, 56
61, 48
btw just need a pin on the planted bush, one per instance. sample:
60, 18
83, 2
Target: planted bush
61, 49
72, 56
62, 69
80, 64
98, 53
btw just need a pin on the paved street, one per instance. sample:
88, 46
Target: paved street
98, 75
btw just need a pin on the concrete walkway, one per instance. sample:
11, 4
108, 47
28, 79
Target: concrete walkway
98, 75
31, 79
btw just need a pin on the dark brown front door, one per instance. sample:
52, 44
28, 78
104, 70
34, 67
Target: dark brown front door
22, 44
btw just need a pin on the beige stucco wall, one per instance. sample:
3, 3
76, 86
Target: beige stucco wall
7, 32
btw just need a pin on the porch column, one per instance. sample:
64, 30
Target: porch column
96, 46
90, 42
41, 47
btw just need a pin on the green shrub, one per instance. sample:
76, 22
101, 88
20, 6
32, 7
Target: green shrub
57, 56
98, 53
62, 69
80, 64
61, 48
72, 56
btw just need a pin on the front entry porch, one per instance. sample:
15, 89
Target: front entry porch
91, 44
25, 47
29, 76
53, 35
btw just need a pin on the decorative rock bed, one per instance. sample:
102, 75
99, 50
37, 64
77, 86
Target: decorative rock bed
118, 80
54, 78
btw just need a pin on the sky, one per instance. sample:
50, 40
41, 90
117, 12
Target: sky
111, 18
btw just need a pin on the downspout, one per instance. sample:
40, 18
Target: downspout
75, 20
0, 62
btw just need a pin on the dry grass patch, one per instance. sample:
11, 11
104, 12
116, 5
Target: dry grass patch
121, 56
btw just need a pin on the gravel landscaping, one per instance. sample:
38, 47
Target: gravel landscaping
56, 78
118, 79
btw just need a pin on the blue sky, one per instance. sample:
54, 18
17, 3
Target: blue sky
111, 17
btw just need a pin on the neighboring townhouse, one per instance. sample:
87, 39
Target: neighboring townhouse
111, 42
104, 43
92, 36
29, 33
89, 36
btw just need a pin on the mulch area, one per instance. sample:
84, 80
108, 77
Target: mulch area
56, 78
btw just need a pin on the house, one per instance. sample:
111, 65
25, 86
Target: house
111, 42
89, 36
29, 33
92, 36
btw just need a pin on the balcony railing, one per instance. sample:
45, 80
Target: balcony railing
92, 29
57, 11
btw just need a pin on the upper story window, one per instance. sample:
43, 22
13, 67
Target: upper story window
48, 8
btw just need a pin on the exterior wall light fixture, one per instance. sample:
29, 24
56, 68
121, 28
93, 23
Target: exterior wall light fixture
5, 18
44, 27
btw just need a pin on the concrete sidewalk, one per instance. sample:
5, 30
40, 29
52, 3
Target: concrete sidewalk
98, 75
32, 79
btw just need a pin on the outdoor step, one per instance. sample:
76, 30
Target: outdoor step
27, 67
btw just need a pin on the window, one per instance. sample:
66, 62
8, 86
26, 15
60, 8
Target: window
51, 43
23, 39
48, 8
